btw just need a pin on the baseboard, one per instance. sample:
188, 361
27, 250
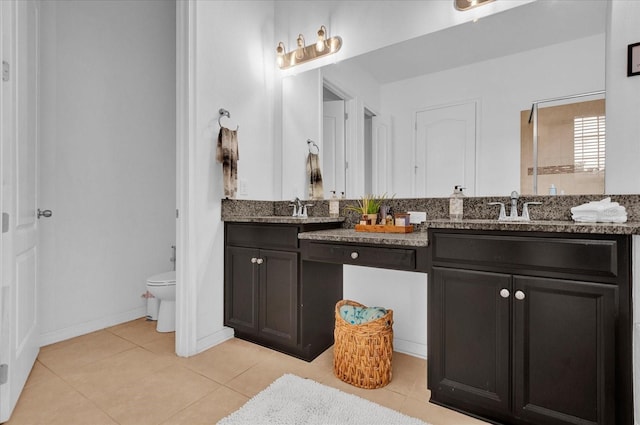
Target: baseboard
409, 347
91, 326
214, 339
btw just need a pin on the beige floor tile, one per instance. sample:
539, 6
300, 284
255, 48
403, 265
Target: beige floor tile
156, 397
121, 370
226, 361
139, 331
85, 350
164, 343
409, 373
129, 374
54, 402
209, 409
39, 374
436, 415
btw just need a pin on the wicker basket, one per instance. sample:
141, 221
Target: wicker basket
362, 353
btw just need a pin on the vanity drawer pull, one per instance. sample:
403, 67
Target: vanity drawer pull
259, 261
254, 260
354, 255
504, 293
520, 295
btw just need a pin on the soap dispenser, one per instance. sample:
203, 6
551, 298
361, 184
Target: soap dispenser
455, 203
334, 205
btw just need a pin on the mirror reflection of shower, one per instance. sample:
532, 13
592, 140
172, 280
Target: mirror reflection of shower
563, 145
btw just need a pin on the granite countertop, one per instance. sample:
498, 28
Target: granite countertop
415, 239
283, 219
629, 228
419, 238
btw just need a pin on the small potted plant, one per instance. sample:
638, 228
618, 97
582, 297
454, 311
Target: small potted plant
368, 207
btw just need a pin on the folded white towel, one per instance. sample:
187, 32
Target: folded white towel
603, 211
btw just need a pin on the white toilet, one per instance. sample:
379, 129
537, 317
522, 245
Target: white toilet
163, 287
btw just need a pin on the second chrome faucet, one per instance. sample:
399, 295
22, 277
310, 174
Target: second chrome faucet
513, 214
300, 208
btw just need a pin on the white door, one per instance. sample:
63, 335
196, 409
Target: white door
333, 144
19, 248
381, 155
445, 150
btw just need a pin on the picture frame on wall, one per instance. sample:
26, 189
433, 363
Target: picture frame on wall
633, 60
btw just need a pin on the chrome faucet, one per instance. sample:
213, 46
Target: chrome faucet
513, 215
299, 208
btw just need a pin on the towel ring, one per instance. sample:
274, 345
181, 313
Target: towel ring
224, 113
311, 144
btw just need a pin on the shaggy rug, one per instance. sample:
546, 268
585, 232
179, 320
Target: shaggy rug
296, 401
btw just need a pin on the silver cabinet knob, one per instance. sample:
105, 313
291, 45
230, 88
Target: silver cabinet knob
519, 295
259, 261
354, 255
504, 293
253, 260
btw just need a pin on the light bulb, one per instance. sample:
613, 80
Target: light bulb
280, 54
300, 49
320, 44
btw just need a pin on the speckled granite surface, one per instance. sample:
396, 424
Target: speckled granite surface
539, 226
284, 219
350, 235
554, 215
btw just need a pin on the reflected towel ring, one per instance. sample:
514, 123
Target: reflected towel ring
312, 145
224, 113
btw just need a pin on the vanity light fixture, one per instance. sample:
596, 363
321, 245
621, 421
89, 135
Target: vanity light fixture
469, 4
304, 53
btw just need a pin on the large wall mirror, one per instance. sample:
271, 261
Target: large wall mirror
416, 118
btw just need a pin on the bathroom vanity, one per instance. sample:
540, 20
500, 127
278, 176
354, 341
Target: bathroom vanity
528, 323
271, 296
531, 327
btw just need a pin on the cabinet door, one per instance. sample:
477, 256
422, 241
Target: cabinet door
278, 296
469, 340
564, 351
241, 289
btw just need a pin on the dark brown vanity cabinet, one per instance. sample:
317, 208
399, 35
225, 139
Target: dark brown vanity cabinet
531, 328
271, 296
262, 289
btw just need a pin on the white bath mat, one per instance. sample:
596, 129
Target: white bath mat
291, 400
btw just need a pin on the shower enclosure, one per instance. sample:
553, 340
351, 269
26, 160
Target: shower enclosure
563, 145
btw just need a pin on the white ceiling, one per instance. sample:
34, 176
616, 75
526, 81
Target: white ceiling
526, 27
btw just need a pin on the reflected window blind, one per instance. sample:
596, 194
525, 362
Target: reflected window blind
588, 143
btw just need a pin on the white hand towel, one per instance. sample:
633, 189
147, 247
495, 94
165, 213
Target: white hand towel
603, 211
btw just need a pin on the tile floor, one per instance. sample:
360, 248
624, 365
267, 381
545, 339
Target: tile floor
129, 374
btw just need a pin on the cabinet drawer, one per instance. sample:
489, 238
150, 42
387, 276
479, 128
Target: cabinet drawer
579, 256
393, 258
262, 235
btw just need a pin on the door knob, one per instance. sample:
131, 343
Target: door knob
504, 293
44, 213
519, 295
253, 260
259, 261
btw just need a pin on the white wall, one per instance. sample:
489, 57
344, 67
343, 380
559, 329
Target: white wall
234, 61
623, 100
503, 88
403, 292
107, 160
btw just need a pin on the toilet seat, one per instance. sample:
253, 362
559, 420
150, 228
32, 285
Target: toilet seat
162, 279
